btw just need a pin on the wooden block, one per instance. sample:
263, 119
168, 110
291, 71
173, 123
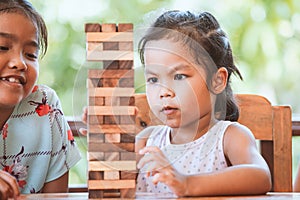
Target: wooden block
93, 82
112, 175
111, 184
125, 46
104, 194
113, 138
108, 92
108, 82
109, 55
95, 46
112, 101
128, 175
112, 165
127, 101
111, 156
111, 64
96, 194
92, 27
111, 119
108, 147
96, 119
96, 175
95, 156
111, 46
96, 101
126, 64
128, 156
109, 27
108, 73
126, 82
109, 37
111, 82
125, 27
95, 137
118, 128
128, 193
127, 138
127, 119
111, 110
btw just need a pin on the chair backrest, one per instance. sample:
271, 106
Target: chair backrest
271, 125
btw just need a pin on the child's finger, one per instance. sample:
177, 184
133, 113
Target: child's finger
144, 160
160, 177
149, 149
83, 131
12, 189
84, 115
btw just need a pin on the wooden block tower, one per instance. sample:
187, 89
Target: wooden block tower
111, 111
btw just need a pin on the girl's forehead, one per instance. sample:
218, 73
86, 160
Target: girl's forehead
166, 46
163, 48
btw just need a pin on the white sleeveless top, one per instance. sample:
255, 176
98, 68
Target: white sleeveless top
200, 156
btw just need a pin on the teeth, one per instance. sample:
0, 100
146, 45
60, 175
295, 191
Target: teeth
11, 79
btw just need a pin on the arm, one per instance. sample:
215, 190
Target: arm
249, 173
59, 185
8, 186
84, 117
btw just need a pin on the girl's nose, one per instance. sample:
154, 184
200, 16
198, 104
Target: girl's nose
18, 62
166, 92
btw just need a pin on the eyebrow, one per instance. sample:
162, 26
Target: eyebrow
14, 38
182, 67
7, 35
174, 68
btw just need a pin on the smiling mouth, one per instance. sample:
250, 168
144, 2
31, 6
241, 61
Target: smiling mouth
19, 80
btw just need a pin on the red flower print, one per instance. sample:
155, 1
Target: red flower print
4, 131
70, 136
17, 170
41, 108
35, 88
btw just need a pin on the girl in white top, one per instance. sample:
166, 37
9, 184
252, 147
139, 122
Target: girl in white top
199, 152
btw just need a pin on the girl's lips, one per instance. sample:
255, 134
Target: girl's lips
13, 79
169, 110
12, 82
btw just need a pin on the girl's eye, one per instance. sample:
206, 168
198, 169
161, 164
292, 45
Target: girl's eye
179, 77
152, 80
3, 48
31, 55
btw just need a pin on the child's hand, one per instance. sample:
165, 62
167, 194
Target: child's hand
84, 115
157, 165
8, 186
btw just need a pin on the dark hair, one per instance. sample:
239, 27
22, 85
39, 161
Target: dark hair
208, 44
24, 7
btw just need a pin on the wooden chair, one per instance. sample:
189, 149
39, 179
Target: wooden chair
271, 125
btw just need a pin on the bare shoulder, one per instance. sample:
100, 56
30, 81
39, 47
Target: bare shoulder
239, 145
238, 131
142, 137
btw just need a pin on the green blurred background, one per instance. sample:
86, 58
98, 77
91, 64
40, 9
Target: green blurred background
264, 34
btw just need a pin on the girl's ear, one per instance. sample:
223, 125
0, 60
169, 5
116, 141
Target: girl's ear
219, 80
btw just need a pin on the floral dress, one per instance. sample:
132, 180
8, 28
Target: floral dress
36, 143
